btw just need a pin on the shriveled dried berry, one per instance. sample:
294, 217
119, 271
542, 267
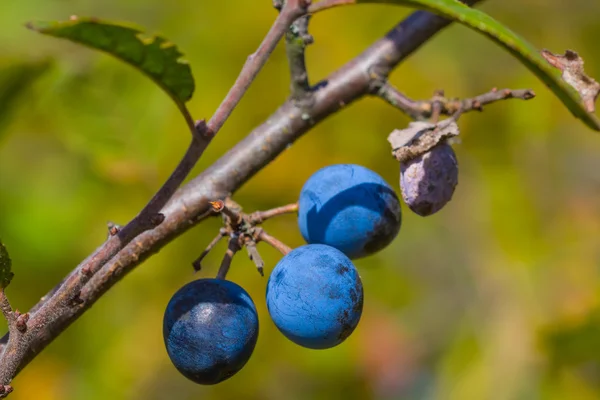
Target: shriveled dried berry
428, 181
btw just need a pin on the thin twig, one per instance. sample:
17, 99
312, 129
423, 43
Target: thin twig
292, 9
259, 217
327, 4
273, 242
232, 248
197, 262
427, 109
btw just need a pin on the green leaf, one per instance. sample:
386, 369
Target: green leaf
154, 56
15, 79
6, 274
517, 46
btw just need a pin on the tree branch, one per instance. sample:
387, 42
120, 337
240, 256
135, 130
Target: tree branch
425, 109
190, 204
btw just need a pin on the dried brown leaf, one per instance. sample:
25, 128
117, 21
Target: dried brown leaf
571, 66
420, 137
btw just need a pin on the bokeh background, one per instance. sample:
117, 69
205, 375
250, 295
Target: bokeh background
495, 297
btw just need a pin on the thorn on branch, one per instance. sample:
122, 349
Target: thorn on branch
440, 105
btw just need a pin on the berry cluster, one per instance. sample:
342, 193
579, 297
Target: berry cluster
314, 294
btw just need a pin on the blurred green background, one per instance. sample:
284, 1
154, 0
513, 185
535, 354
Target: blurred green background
495, 297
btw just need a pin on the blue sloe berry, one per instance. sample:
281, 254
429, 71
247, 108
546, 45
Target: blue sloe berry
315, 296
349, 207
210, 328
428, 181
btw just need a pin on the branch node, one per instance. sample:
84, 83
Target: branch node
86, 271
278, 4
113, 229
5, 390
156, 219
230, 210
76, 300
22, 322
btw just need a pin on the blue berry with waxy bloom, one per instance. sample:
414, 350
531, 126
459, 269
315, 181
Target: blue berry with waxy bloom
210, 328
349, 207
315, 296
428, 181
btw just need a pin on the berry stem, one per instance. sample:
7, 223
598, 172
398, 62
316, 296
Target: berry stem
197, 263
232, 248
259, 217
272, 241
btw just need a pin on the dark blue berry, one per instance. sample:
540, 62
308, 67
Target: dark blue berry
210, 329
315, 296
349, 207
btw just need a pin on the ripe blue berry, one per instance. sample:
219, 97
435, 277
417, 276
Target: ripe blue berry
428, 181
315, 296
349, 207
210, 329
